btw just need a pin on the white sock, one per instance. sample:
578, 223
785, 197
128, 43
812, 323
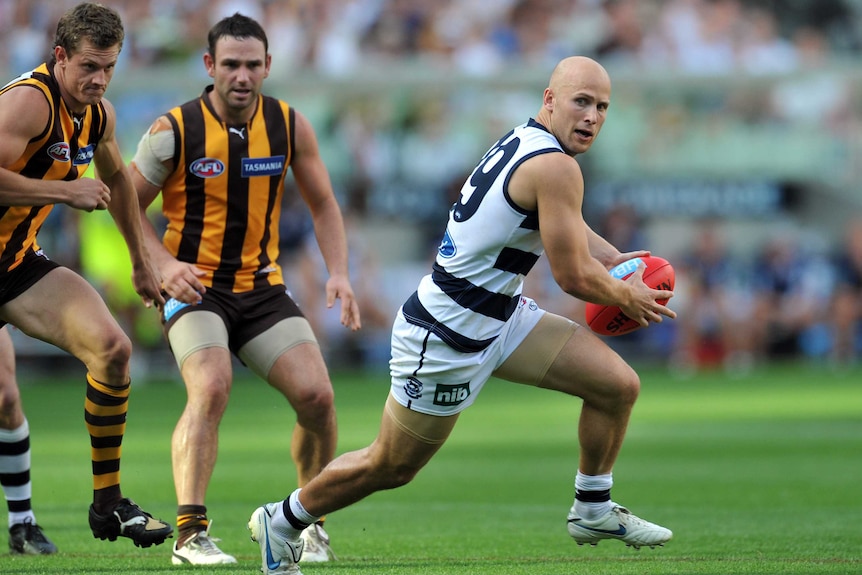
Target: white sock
593, 495
17, 463
291, 518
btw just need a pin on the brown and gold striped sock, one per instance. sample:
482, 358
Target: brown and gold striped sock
190, 520
105, 415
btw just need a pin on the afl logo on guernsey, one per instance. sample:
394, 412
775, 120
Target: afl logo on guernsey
207, 168
60, 152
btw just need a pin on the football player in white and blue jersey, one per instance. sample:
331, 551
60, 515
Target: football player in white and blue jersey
468, 320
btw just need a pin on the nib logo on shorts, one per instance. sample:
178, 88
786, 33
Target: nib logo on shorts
451, 394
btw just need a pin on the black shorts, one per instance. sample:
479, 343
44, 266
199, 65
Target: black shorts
34, 267
245, 315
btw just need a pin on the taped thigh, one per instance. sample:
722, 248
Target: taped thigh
194, 331
532, 359
430, 429
262, 351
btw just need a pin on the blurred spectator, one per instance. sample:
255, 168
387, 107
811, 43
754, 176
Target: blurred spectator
704, 35
626, 34
762, 49
335, 37
431, 151
715, 327
367, 132
28, 35
622, 227
530, 29
791, 97
792, 291
222, 8
305, 276
846, 311
477, 55
287, 37
159, 32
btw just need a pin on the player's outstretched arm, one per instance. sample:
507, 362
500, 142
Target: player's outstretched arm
180, 280
316, 189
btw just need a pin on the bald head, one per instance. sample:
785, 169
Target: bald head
575, 103
576, 71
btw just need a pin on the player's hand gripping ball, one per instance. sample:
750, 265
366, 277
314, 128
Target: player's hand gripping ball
610, 320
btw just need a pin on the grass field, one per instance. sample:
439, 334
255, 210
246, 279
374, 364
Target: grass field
755, 475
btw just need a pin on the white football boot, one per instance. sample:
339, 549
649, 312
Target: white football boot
201, 549
618, 523
317, 548
278, 556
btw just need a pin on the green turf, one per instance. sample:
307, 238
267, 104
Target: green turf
755, 475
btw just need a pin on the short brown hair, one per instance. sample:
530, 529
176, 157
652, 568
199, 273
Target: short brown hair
101, 25
236, 26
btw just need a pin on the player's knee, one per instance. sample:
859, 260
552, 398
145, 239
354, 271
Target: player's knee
315, 404
386, 468
210, 401
115, 352
10, 403
628, 387
399, 475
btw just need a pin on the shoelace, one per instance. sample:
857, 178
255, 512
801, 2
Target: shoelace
136, 515
32, 532
626, 516
318, 541
311, 543
206, 543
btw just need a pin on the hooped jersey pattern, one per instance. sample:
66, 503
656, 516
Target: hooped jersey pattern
489, 246
62, 151
223, 200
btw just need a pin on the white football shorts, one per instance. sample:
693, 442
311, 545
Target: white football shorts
430, 377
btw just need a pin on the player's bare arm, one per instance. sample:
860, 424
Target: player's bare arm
611, 257
315, 186
607, 253
24, 113
180, 280
557, 184
123, 207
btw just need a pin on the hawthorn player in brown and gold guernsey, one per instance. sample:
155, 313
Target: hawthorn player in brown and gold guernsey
223, 209
63, 151
54, 122
219, 162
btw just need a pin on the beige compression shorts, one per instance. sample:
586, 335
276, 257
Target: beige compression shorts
199, 330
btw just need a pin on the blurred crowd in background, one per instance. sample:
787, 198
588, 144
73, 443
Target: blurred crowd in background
474, 37
732, 148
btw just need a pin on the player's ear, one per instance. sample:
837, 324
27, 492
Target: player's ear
209, 63
548, 100
268, 64
61, 56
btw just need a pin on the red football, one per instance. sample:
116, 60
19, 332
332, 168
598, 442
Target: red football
610, 320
